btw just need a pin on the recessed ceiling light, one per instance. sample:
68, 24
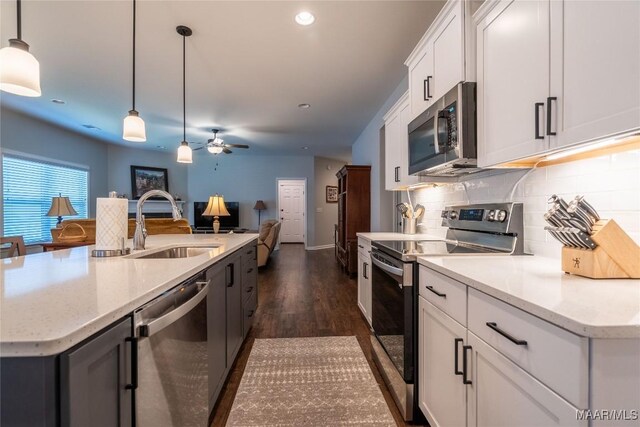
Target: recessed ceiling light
58, 101
304, 106
305, 18
305, 148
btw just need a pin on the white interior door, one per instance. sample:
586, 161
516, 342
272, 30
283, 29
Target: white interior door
292, 210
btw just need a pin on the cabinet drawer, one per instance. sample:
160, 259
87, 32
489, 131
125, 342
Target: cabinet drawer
364, 247
554, 356
249, 282
445, 293
250, 306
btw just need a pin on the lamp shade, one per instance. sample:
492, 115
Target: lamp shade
133, 128
185, 155
216, 207
61, 206
19, 70
260, 206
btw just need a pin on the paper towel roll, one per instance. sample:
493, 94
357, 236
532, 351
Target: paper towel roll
111, 223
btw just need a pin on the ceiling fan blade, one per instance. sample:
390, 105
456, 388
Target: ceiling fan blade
237, 145
199, 148
226, 150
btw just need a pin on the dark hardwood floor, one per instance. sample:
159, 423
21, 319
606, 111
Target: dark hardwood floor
302, 294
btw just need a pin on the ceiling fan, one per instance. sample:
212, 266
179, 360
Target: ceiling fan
217, 145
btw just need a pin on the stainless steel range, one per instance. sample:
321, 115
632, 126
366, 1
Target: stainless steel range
480, 229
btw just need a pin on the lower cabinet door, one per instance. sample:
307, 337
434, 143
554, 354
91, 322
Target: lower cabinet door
234, 310
364, 286
441, 392
502, 394
94, 380
216, 330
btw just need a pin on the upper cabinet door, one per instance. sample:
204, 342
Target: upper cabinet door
421, 82
448, 53
392, 150
513, 76
595, 69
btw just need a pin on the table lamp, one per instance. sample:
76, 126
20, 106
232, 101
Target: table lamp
259, 206
216, 208
61, 206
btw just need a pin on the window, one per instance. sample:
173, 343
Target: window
27, 188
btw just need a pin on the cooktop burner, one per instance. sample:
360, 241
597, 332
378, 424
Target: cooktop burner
408, 250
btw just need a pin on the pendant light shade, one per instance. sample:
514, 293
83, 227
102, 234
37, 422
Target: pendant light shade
19, 69
185, 154
133, 128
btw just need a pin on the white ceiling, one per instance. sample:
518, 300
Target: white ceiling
248, 67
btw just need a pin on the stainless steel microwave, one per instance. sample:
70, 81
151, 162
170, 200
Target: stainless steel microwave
442, 140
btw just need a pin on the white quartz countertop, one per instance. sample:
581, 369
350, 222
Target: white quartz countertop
397, 236
587, 307
51, 301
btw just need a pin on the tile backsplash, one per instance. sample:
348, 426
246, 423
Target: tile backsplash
610, 183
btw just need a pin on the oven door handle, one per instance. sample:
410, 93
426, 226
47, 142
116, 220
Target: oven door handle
386, 267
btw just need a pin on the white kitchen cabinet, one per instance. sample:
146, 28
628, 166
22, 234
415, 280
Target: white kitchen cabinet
443, 394
554, 73
513, 79
364, 278
397, 146
502, 394
438, 61
595, 69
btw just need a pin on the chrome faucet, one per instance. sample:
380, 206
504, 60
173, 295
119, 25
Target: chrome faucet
141, 232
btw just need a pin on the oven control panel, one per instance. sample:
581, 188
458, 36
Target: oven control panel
494, 217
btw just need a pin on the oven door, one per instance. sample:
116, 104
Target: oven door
392, 310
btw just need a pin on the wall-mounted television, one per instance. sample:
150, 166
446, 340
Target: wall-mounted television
226, 222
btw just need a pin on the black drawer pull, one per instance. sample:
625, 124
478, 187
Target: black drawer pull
494, 326
360, 246
250, 252
436, 292
465, 380
249, 289
455, 352
250, 313
249, 270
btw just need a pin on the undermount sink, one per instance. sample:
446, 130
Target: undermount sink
178, 252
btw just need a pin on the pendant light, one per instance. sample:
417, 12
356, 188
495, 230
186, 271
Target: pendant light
185, 155
19, 70
133, 128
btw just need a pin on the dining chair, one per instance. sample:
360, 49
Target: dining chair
16, 245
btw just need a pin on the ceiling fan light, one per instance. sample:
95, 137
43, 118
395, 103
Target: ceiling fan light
214, 149
19, 70
133, 128
185, 154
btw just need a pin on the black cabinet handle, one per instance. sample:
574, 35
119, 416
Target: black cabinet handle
250, 314
250, 270
436, 292
455, 358
494, 326
249, 289
465, 379
364, 270
549, 100
538, 105
230, 278
134, 363
426, 89
397, 174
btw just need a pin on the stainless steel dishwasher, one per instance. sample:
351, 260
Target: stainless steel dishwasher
172, 357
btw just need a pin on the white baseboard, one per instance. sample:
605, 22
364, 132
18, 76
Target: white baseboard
317, 248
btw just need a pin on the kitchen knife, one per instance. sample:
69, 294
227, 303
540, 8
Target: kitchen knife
587, 207
584, 238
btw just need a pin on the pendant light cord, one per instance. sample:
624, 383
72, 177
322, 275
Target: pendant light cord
133, 107
184, 88
19, 13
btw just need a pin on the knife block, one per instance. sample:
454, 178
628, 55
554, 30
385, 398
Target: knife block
617, 256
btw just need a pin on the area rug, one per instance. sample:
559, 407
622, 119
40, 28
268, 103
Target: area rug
308, 382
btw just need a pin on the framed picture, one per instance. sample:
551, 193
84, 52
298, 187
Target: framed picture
145, 178
332, 194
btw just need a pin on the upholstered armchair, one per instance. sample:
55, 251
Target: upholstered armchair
269, 232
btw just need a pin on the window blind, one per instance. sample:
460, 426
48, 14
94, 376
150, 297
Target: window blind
27, 189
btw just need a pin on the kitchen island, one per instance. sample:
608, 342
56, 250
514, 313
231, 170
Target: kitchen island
64, 313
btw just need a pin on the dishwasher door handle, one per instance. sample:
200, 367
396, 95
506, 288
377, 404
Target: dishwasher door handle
156, 325
386, 267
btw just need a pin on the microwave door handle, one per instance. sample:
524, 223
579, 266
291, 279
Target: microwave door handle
437, 139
